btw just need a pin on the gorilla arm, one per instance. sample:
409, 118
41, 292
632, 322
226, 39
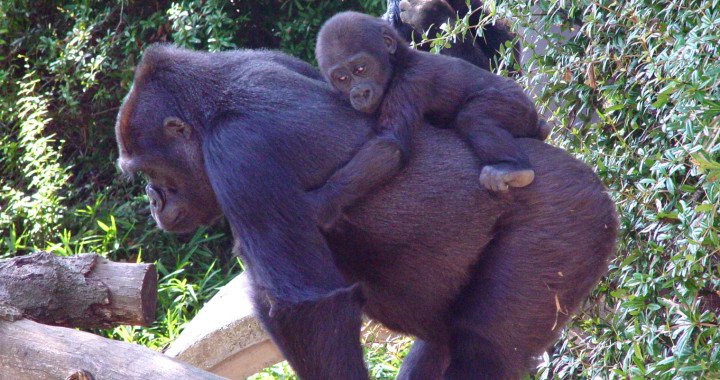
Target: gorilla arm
299, 293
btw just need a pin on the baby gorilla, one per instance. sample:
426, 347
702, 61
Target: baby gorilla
365, 59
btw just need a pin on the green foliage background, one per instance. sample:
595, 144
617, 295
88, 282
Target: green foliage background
647, 71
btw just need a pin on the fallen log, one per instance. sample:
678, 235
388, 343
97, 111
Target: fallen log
33, 351
84, 290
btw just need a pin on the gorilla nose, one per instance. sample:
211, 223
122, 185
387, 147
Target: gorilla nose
362, 94
155, 196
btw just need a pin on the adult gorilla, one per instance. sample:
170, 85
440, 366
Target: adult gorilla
411, 18
484, 281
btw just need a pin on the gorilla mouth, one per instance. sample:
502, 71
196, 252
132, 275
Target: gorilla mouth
169, 217
162, 199
366, 106
173, 223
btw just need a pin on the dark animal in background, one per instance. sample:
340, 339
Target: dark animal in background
477, 278
365, 59
411, 18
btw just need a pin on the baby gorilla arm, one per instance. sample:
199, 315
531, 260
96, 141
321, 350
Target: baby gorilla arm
376, 162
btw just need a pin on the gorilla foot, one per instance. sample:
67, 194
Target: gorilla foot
500, 177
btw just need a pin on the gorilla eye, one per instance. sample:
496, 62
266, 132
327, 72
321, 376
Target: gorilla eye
359, 69
342, 78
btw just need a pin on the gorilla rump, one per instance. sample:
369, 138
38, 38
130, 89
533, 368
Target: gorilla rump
477, 278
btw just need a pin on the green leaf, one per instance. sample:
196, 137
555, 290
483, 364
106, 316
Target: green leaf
703, 208
694, 368
103, 226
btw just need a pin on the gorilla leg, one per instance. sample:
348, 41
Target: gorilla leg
312, 329
530, 279
473, 357
425, 361
498, 324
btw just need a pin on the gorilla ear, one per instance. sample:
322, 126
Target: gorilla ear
175, 127
389, 40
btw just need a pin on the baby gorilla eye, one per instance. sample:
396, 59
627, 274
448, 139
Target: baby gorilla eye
359, 69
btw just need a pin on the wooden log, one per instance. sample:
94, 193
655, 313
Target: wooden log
33, 351
84, 290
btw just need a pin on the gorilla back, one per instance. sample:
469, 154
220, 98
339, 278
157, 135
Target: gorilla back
484, 281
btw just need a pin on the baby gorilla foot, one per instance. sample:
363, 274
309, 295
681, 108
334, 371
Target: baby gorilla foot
500, 177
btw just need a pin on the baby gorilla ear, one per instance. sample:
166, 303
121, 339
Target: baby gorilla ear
389, 40
175, 127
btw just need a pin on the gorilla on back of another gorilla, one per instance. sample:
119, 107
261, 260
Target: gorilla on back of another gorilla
484, 281
366, 60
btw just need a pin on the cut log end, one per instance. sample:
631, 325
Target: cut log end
149, 295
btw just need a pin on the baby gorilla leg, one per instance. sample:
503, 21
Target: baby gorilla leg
489, 121
505, 163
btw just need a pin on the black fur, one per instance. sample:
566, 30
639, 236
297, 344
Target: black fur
473, 275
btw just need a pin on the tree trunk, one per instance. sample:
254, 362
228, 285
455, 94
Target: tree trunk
32, 351
85, 290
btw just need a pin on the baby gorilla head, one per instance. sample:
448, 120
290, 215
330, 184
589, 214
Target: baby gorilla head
354, 52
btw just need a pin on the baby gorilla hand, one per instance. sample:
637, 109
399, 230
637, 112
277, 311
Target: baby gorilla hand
328, 211
500, 177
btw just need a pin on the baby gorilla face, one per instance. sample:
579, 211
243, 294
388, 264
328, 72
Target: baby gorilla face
360, 79
354, 53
